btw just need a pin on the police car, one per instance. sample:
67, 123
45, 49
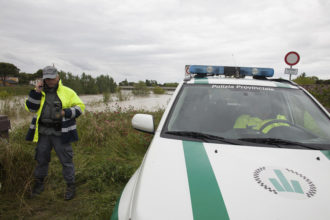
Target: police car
233, 143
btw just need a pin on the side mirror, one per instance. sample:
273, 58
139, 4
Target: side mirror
143, 122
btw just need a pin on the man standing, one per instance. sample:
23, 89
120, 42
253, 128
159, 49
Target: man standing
53, 126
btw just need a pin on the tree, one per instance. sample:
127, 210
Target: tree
105, 83
305, 80
38, 74
151, 82
24, 78
124, 83
89, 84
7, 69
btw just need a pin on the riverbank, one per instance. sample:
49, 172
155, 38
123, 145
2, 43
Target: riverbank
107, 154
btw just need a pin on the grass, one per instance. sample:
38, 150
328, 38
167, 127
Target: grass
8, 91
107, 154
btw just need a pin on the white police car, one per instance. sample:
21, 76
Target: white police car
233, 144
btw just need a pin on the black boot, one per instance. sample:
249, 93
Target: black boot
38, 187
70, 191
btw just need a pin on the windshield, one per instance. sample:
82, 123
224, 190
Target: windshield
248, 113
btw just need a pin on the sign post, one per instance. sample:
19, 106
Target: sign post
291, 58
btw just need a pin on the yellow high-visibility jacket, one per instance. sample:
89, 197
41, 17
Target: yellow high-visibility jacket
255, 123
71, 104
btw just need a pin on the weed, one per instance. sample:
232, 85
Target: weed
106, 97
121, 96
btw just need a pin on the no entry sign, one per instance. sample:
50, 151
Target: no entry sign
292, 58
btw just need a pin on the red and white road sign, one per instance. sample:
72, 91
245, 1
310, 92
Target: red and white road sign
292, 58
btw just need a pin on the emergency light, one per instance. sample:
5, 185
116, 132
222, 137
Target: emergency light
202, 70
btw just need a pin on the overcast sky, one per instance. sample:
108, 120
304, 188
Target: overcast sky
155, 39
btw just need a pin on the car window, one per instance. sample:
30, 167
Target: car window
238, 111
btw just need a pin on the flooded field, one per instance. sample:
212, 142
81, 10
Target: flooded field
14, 107
151, 102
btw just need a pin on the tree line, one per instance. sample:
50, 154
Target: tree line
303, 79
84, 84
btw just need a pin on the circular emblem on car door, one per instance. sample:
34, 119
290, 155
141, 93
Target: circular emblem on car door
285, 182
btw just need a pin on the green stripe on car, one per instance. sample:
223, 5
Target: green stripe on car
114, 215
326, 153
282, 85
201, 81
206, 198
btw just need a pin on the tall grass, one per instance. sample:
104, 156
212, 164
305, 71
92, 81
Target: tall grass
106, 97
121, 96
107, 154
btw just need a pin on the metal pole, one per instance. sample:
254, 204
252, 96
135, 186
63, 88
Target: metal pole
290, 73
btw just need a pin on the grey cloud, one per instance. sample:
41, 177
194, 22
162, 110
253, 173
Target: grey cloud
155, 39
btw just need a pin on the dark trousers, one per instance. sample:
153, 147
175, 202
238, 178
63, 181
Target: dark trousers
63, 151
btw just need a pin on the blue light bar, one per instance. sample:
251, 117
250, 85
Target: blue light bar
230, 71
256, 71
200, 69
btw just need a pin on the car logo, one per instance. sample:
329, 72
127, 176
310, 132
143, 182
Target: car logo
285, 182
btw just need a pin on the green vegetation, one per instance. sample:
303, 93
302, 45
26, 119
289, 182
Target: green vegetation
9, 91
86, 84
170, 84
4, 94
321, 93
140, 89
148, 83
158, 90
7, 69
121, 96
320, 89
304, 80
106, 97
107, 154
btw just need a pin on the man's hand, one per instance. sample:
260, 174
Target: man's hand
39, 86
63, 113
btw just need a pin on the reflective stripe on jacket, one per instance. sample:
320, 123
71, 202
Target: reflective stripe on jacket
71, 104
245, 121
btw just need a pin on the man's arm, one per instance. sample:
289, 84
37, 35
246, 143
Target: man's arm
77, 108
32, 104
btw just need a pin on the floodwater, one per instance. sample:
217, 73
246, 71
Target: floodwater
95, 103
151, 102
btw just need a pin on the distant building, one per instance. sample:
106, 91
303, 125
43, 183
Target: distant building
9, 81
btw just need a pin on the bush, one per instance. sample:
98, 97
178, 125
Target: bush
158, 90
4, 94
140, 89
